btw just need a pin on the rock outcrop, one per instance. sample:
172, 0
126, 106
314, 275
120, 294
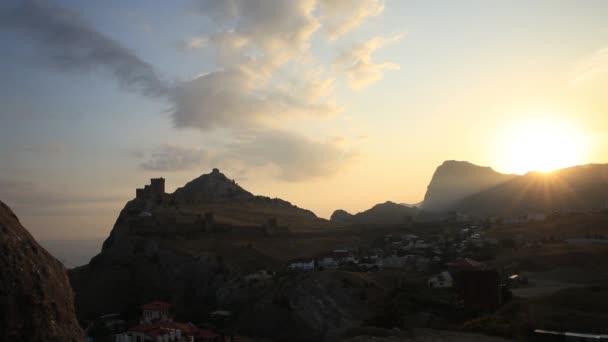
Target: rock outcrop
36, 301
455, 180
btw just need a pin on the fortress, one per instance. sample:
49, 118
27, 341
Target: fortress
155, 189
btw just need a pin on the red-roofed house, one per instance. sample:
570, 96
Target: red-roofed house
167, 331
159, 331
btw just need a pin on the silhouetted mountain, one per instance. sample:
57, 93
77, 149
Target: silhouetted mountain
571, 189
178, 246
383, 213
455, 180
36, 302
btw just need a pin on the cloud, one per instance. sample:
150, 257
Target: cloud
356, 62
236, 99
590, 67
275, 29
71, 44
293, 156
194, 43
170, 158
343, 16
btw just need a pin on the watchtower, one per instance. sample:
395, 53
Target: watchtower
157, 186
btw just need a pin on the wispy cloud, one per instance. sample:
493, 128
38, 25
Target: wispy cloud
357, 64
194, 43
71, 44
590, 67
343, 16
172, 158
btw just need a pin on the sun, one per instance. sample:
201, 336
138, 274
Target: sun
541, 143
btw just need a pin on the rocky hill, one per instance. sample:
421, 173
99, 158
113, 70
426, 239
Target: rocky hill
455, 180
36, 301
383, 213
578, 188
183, 247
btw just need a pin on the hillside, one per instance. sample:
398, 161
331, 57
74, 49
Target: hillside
578, 188
185, 246
383, 213
455, 180
36, 302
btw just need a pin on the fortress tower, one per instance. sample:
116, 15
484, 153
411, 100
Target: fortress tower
157, 186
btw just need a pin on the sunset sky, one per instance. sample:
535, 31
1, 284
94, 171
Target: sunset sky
325, 103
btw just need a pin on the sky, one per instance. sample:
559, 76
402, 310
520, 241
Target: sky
329, 104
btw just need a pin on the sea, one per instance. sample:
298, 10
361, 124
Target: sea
73, 253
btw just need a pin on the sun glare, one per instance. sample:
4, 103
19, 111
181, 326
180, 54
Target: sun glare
541, 144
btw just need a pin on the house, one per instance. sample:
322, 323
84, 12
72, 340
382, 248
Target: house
156, 310
442, 280
327, 261
259, 275
302, 265
157, 325
165, 331
343, 255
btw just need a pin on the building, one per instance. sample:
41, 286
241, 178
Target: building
156, 310
302, 265
156, 189
157, 325
441, 281
478, 286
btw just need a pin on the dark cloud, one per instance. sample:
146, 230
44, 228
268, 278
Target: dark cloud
72, 44
169, 158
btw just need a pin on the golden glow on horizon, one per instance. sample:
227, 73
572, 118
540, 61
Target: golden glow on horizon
541, 143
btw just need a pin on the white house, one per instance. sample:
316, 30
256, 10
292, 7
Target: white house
155, 311
442, 280
302, 265
327, 262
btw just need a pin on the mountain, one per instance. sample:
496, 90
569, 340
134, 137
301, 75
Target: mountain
36, 301
577, 188
455, 180
183, 247
383, 213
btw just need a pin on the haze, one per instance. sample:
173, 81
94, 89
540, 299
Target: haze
328, 104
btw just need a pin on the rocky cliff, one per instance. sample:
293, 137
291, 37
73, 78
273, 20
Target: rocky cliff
36, 301
455, 180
